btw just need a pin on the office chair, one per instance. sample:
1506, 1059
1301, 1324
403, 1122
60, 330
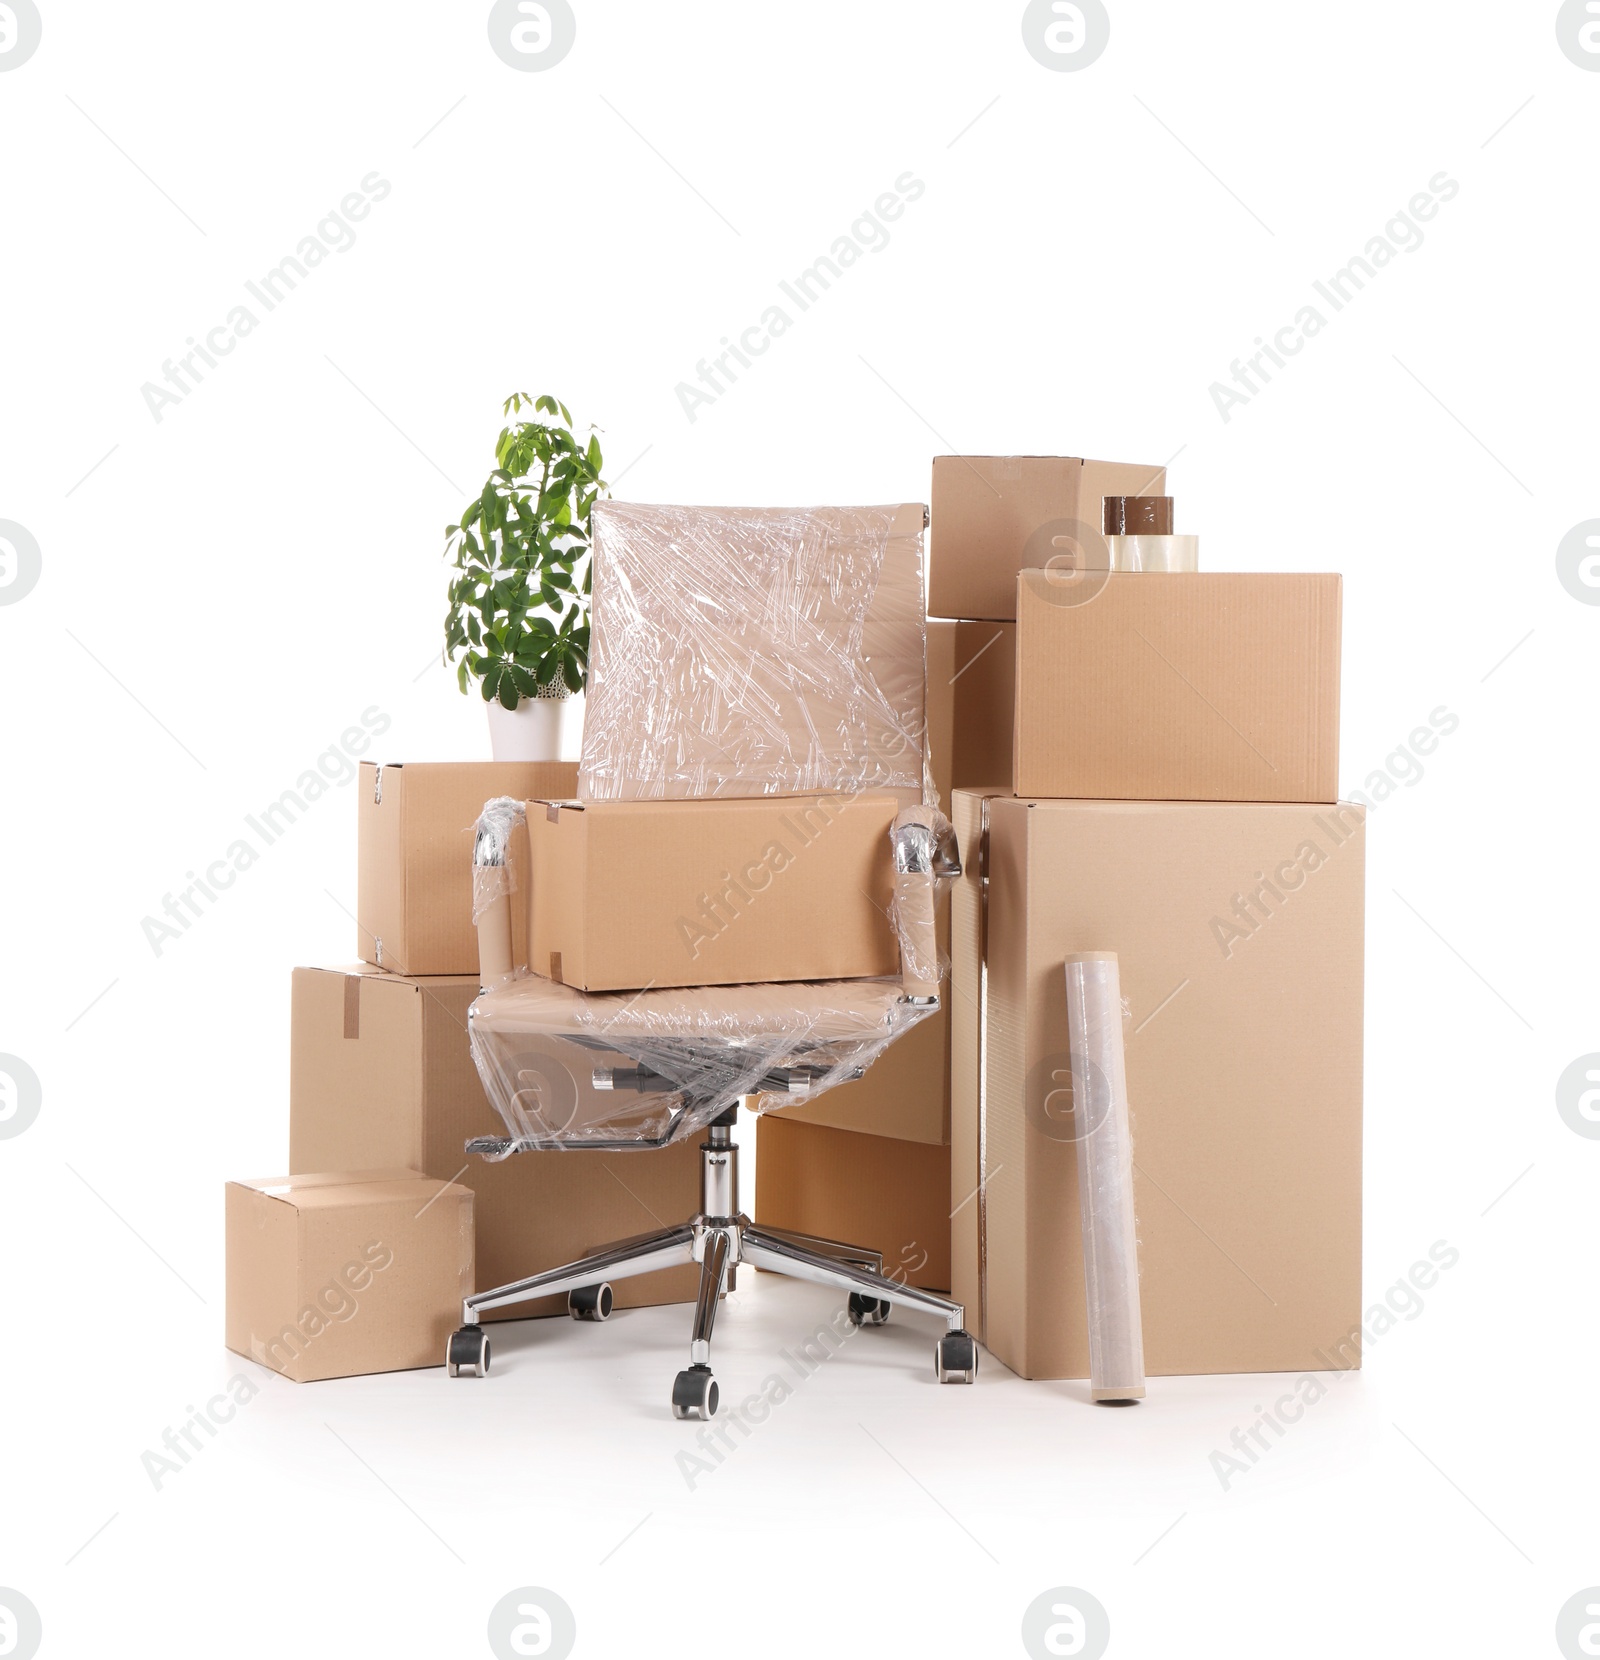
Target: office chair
627, 1070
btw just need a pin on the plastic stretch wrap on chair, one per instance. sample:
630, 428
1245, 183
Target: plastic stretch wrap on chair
493, 877
566, 1068
740, 651
569, 1068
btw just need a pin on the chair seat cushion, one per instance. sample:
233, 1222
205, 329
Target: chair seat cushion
571, 1068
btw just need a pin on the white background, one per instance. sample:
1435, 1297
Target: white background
225, 590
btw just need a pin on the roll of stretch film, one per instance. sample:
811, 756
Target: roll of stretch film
1105, 1176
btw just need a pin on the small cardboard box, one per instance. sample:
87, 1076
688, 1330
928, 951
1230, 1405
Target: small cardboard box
885, 1194
1192, 686
380, 1072
995, 515
414, 884
630, 894
332, 1275
1238, 930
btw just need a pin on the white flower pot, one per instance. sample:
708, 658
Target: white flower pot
538, 729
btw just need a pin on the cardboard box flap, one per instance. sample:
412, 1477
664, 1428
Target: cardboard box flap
313, 1189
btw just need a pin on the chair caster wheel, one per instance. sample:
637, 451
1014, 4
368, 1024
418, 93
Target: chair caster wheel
955, 1358
868, 1311
695, 1393
468, 1353
590, 1302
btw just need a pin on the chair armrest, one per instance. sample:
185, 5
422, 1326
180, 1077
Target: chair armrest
493, 883
925, 855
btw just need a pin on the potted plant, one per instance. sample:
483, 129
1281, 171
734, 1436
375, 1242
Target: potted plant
519, 601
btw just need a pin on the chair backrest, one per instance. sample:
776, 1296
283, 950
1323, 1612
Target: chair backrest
740, 651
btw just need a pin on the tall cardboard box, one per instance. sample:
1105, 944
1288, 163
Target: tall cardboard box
1178, 686
995, 515
1238, 930
414, 882
334, 1274
875, 1191
380, 1073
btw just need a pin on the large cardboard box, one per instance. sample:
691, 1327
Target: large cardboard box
1191, 686
631, 894
1238, 929
414, 883
995, 515
380, 1073
331, 1275
886, 1194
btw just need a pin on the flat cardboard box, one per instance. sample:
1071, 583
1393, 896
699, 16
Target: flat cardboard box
380, 1072
332, 1275
632, 894
869, 1190
414, 886
972, 688
1239, 930
995, 515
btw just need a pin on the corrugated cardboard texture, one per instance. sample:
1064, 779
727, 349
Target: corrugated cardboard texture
1194, 686
630, 894
332, 1275
1239, 933
859, 1189
972, 675
406, 1092
995, 515
414, 888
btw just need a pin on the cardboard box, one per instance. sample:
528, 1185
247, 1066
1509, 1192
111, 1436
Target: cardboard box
380, 1073
414, 886
1239, 930
630, 894
996, 515
866, 1190
905, 1094
972, 688
332, 1275
1194, 686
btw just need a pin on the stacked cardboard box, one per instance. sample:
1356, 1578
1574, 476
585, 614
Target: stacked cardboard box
358, 1260
1170, 797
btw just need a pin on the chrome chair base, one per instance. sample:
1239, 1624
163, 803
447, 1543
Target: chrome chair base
719, 1238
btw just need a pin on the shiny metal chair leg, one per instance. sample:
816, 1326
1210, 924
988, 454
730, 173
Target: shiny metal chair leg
694, 1390
863, 1256
955, 1355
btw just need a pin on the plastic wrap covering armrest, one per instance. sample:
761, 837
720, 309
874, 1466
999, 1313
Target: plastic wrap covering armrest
493, 883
